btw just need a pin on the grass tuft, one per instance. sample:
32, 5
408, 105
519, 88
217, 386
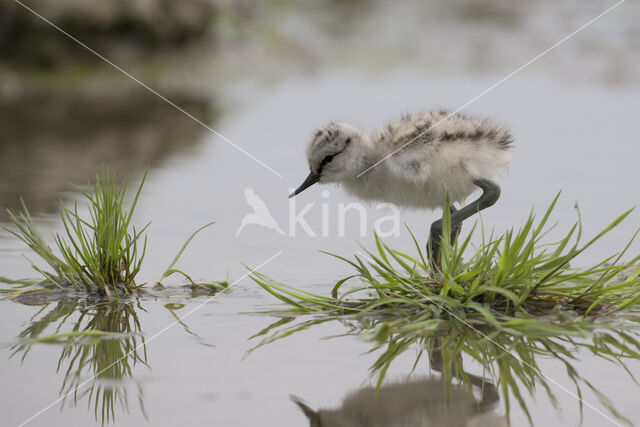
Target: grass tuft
102, 251
513, 282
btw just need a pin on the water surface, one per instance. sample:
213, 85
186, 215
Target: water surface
573, 114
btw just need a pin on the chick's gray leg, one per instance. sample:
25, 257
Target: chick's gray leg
490, 195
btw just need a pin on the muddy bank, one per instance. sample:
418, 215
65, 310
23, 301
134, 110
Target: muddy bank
115, 28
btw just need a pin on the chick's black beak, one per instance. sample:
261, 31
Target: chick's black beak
311, 179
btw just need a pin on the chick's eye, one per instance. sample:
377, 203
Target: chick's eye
327, 159
347, 141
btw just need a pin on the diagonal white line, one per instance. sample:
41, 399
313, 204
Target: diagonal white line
153, 91
498, 83
515, 356
154, 336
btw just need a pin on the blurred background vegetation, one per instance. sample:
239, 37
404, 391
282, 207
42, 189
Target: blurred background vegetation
64, 111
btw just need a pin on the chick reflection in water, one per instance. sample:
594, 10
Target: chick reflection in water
416, 403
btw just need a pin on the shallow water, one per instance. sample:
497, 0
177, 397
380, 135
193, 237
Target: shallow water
573, 114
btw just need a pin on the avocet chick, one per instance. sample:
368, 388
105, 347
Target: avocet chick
420, 161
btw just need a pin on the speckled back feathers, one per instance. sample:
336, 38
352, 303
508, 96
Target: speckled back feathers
436, 127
